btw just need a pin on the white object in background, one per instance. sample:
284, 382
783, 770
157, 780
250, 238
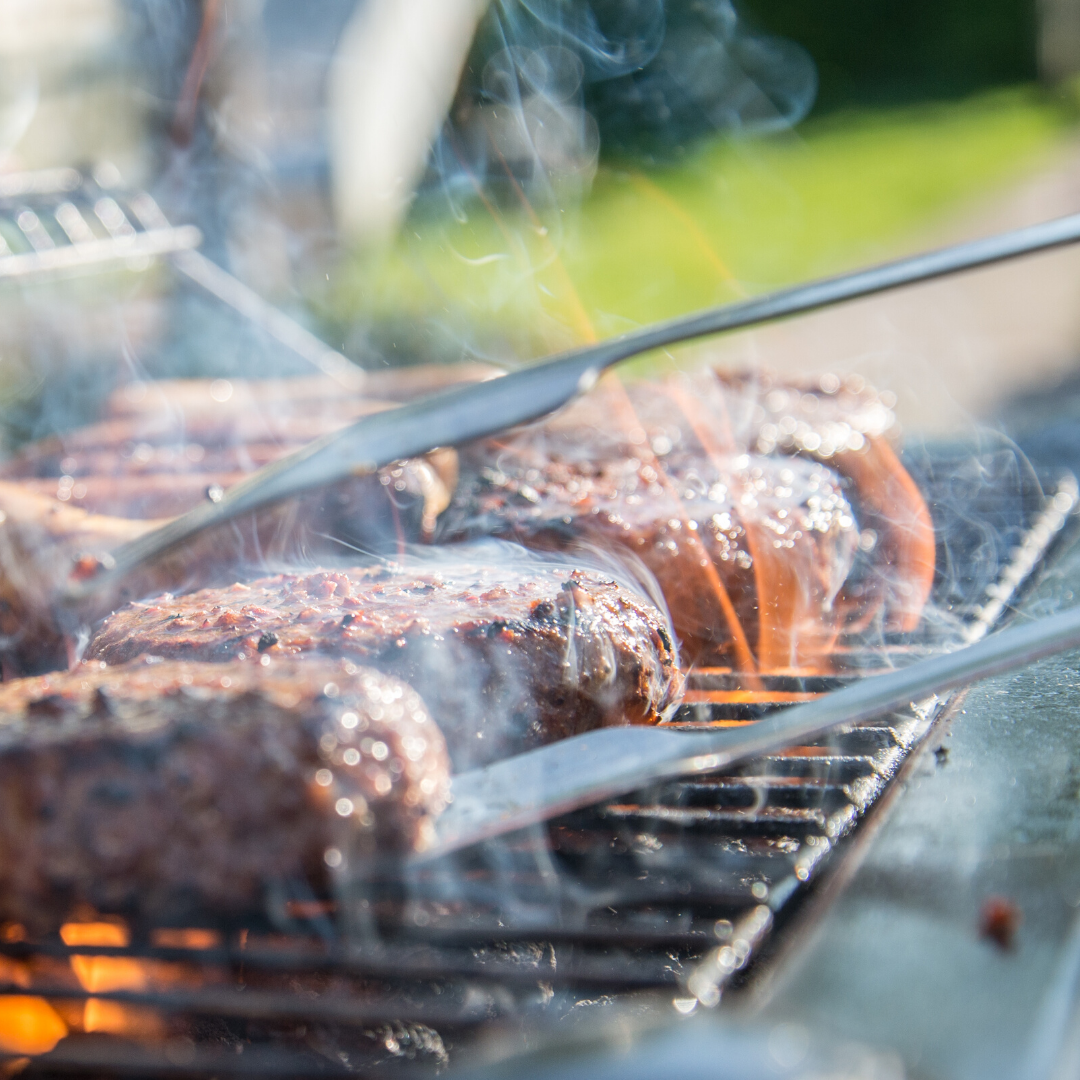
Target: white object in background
392, 80
45, 28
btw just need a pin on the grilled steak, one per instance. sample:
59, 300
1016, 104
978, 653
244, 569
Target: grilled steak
747, 524
750, 552
849, 426
160, 465
153, 789
507, 654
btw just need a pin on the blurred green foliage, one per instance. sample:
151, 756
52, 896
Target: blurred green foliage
877, 52
733, 218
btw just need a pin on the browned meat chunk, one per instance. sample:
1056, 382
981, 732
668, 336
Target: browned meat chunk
750, 552
507, 654
157, 789
849, 426
163, 463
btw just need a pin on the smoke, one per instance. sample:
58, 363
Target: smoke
550, 85
711, 74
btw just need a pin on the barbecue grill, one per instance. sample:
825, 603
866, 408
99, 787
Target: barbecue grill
660, 905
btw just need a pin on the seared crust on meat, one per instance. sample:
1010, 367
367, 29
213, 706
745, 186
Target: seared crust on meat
750, 552
154, 789
506, 655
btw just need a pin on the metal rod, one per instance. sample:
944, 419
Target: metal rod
234, 293
71, 257
587, 769
472, 412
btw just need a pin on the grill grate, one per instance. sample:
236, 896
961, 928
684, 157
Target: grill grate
674, 891
58, 222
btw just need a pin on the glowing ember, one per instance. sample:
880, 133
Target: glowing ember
29, 1025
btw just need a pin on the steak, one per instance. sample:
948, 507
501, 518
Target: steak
507, 653
163, 464
156, 790
750, 552
775, 517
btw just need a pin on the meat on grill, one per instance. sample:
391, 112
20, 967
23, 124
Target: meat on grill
162, 445
849, 426
158, 789
43, 542
753, 552
506, 653
66, 501
160, 465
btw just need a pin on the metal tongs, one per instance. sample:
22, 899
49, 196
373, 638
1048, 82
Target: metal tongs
536, 786
456, 416
587, 769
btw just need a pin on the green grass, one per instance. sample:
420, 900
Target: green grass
734, 218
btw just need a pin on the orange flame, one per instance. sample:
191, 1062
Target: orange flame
105, 974
743, 654
186, 938
29, 1025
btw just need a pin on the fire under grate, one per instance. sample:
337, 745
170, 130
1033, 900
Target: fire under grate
672, 891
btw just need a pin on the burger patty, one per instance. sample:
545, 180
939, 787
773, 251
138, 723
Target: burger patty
507, 652
157, 789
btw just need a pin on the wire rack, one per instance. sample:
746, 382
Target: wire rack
672, 892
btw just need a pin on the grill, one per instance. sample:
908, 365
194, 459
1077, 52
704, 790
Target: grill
675, 893
58, 223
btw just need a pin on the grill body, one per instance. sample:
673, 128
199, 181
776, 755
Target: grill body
666, 903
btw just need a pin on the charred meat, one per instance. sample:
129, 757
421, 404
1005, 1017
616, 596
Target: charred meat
160, 464
507, 655
753, 553
155, 789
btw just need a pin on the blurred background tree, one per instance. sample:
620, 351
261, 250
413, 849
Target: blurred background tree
898, 52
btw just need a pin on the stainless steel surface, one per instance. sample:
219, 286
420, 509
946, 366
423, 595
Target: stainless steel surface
63, 233
483, 409
61, 224
898, 959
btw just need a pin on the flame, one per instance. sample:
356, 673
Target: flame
786, 623
114, 1018
105, 974
659, 195
29, 1025
908, 540
746, 697
95, 933
703, 560
583, 325
101, 974
578, 316
186, 938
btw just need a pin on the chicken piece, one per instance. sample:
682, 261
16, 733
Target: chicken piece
160, 790
507, 652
